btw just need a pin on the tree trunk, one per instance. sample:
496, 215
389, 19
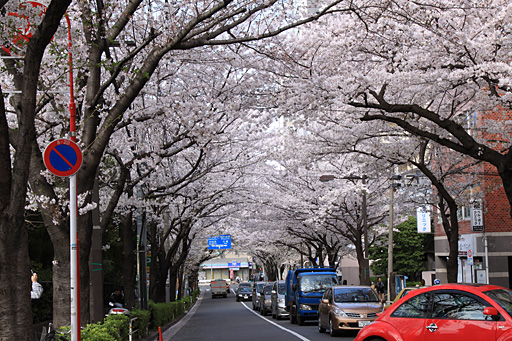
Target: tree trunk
181, 282
129, 264
84, 231
158, 274
16, 319
60, 279
360, 259
506, 178
173, 277
453, 240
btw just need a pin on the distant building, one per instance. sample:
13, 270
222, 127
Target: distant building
228, 266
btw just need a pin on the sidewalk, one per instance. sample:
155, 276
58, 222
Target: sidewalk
169, 330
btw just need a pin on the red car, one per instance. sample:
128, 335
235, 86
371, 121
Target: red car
450, 312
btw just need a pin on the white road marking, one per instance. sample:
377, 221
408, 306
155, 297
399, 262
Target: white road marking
277, 325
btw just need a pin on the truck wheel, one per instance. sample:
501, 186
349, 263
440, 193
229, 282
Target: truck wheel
300, 319
292, 316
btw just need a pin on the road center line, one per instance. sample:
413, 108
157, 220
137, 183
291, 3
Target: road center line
277, 325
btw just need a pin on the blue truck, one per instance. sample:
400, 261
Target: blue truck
304, 290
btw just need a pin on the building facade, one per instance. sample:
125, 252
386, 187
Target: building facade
485, 233
228, 266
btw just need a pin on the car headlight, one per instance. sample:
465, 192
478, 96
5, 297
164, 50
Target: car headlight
305, 307
338, 312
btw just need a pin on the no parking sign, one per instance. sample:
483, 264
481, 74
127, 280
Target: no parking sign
63, 157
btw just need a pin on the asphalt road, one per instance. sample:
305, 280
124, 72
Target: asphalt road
225, 319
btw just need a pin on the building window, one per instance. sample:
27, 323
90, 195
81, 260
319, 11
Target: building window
464, 213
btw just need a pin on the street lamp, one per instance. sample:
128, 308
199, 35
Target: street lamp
366, 260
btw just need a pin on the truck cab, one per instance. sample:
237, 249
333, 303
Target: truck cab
304, 290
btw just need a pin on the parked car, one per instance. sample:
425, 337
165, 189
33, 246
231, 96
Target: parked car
244, 292
450, 312
278, 307
256, 292
265, 299
344, 308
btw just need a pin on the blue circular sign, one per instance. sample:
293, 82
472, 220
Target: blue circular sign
63, 157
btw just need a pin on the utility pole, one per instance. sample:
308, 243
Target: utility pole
390, 241
366, 273
390, 236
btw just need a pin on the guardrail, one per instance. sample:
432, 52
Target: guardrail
130, 329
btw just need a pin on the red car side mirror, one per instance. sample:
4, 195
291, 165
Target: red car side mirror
491, 311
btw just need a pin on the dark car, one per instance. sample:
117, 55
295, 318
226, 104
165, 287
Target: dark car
265, 299
256, 292
277, 300
449, 312
244, 292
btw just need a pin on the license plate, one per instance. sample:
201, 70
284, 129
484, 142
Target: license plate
246, 297
361, 324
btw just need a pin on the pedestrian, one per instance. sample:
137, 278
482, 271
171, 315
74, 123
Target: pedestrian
422, 282
37, 289
117, 296
373, 286
380, 289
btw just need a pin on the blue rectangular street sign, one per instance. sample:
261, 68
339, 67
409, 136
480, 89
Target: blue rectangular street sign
220, 242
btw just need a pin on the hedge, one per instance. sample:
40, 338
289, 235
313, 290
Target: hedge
116, 327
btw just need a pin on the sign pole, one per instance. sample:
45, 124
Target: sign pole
73, 257
73, 236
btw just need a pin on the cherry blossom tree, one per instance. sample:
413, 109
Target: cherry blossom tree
117, 51
15, 168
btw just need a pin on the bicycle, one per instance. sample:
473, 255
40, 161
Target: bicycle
49, 334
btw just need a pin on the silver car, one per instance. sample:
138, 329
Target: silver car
256, 293
265, 299
277, 300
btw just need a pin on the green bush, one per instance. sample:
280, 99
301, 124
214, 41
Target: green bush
141, 324
163, 313
116, 327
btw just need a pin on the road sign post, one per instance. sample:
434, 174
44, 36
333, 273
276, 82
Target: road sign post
63, 158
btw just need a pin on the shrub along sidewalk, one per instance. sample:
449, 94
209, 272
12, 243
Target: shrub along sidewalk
116, 327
